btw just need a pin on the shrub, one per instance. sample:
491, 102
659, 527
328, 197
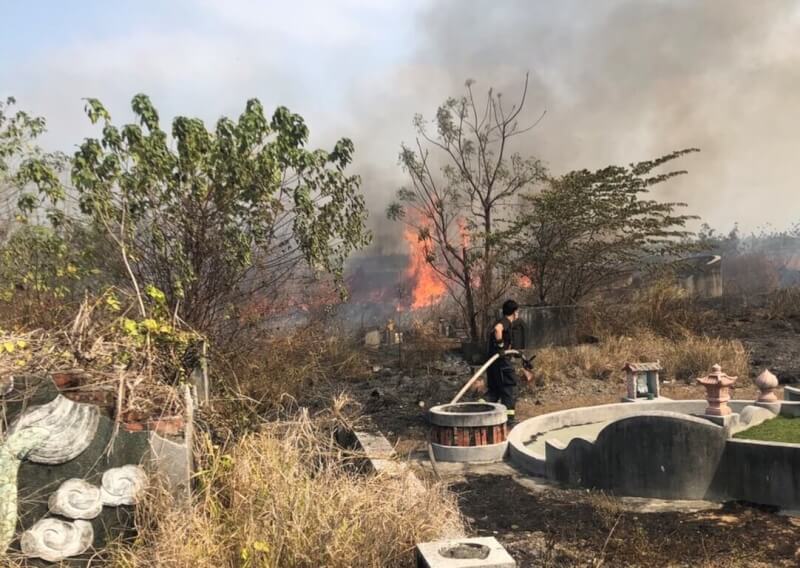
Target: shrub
287, 497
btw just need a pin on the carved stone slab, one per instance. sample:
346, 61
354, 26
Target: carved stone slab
72, 427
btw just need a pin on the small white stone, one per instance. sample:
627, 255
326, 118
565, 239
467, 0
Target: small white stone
766, 380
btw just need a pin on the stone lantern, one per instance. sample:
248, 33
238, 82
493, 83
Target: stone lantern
717, 386
767, 383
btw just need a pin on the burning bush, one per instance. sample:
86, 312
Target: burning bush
288, 497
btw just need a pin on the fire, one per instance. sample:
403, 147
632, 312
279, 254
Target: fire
428, 288
524, 282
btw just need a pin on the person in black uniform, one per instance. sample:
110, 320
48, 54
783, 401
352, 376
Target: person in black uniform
502, 378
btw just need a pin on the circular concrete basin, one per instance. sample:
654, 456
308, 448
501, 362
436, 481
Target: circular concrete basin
469, 432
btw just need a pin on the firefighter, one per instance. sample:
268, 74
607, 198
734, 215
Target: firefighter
502, 378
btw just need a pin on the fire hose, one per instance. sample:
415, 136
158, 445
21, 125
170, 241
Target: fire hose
526, 364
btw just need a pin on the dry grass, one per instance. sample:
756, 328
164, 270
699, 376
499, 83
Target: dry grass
783, 304
683, 358
423, 346
289, 497
662, 308
264, 371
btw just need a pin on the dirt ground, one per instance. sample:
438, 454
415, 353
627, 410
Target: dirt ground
558, 527
562, 527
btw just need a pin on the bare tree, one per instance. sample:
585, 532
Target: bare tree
463, 179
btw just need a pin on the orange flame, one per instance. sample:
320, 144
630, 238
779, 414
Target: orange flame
428, 288
524, 282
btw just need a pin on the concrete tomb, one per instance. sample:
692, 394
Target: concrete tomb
59, 459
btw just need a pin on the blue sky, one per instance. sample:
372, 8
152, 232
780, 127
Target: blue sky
620, 80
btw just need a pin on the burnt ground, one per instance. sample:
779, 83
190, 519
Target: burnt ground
773, 344
562, 527
577, 528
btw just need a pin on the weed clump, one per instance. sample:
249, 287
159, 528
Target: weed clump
288, 496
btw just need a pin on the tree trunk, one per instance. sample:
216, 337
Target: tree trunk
471, 313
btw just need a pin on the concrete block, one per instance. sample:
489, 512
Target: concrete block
728, 421
372, 339
381, 457
484, 552
171, 459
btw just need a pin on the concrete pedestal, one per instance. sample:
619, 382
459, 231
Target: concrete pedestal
729, 421
484, 552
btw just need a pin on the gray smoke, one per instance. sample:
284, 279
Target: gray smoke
621, 81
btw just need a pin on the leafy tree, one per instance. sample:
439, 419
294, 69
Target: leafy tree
29, 176
463, 180
210, 216
589, 228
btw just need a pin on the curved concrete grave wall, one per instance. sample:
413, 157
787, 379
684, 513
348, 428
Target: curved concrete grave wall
659, 454
534, 462
658, 449
760, 472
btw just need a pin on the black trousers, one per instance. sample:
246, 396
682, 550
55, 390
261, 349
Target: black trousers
502, 386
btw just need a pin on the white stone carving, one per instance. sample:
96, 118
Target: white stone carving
76, 499
123, 485
54, 540
72, 427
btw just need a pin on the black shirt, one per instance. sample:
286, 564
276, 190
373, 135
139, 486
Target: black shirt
492, 340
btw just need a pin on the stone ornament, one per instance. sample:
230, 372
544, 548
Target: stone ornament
54, 540
767, 383
717, 386
76, 499
123, 485
72, 427
17, 446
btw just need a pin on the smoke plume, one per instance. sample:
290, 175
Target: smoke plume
620, 81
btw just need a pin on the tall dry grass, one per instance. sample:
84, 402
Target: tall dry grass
662, 308
255, 378
286, 497
783, 304
683, 358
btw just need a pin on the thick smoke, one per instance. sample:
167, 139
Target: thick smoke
621, 82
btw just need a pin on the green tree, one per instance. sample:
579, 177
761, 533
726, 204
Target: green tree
464, 178
29, 176
587, 229
212, 216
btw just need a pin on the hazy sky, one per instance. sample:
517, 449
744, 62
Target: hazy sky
621, 80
